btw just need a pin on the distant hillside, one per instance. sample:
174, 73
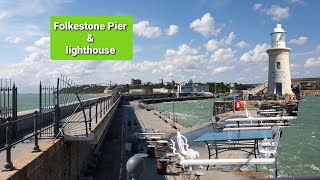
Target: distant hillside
85, 89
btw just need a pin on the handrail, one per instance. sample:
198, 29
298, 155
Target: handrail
104, 105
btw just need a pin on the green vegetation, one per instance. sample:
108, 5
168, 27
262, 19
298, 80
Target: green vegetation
93, 89
85, 89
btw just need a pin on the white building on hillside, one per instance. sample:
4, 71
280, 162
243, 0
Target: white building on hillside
137, 91
160, 90
190, 87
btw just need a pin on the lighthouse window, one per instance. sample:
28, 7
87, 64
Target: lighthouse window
278, 65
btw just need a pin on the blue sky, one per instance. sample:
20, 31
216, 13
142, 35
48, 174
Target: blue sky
204, 40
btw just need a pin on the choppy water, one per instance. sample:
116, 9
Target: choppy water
299, 149
189, 113
31, 101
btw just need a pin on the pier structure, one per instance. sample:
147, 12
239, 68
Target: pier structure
279, 78
56, 140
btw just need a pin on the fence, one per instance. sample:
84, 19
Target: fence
220, 107
59, 107
8, 105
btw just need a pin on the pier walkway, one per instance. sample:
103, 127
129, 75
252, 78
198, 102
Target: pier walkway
22, 152
147, 119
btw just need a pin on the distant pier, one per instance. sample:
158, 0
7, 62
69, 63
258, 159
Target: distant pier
160, 100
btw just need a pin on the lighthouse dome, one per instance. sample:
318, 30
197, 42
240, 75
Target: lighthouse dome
278, 29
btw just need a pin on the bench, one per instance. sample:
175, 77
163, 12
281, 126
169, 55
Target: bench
247, 128
256, 124
282, 118
208, 162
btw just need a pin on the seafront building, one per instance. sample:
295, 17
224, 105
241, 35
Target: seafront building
189, 87
138, 91
135, 82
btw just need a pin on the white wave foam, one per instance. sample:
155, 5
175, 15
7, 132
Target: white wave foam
314, 167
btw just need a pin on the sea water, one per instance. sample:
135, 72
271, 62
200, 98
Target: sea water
31, 101
299, 149
189, 113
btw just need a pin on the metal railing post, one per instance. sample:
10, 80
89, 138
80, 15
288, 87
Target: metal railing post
35, 132
90, 117
56, 120
100, 108
96, 112
104, 105
14, 112
8, 166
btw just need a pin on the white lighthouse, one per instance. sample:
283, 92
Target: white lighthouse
279, 78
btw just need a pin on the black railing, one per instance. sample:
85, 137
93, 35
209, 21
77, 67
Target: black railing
59, 107
8, 105
9, 143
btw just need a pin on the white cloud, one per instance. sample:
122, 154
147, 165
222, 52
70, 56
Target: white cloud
312, 62
275, 11
31, 49
137, 49
257, 55
3, 15
143, 29
37, 66
300, 41
222, 69
178, 64
257, 6
13, 40
172, 30
214, 44
205, 26
223, 55
301, 2
43, 41
230, 38
242, 44
294, 66
31, 8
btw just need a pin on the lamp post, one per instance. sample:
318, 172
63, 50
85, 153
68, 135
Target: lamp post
173, 102
153, 100
215, 89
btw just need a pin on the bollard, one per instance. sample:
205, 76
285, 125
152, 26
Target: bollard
35, 133
8, 166
135, 167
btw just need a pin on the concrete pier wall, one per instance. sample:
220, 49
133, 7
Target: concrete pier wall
59, 159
